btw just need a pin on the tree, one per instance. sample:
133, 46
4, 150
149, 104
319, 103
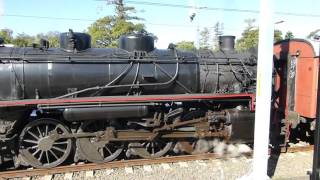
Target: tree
23, 40
123, 11
248, 40
186, 45
204, 39
218, 31
289, 35
51, 36
6, 35
250, 37
106, 31
277, 35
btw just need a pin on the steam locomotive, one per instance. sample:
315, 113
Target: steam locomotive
94, 104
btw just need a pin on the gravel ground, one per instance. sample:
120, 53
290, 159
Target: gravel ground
287, 166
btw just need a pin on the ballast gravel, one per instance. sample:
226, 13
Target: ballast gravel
284, 167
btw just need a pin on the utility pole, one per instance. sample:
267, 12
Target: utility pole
263, 90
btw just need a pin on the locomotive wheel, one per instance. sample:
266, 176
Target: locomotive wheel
151, 149
95, 150
39, 149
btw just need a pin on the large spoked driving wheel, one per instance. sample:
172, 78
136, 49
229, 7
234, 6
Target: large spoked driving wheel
94, 149
39, 146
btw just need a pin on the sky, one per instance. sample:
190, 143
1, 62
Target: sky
169, 24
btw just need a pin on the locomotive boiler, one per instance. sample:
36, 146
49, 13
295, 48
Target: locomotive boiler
95, 103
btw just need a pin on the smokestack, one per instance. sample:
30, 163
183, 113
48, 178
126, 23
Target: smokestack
226, 43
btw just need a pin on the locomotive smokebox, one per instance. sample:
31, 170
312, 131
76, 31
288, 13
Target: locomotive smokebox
75, 41
226, 43
136, 42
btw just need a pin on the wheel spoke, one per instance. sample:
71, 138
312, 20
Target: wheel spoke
152, 147
60, 143
58, 149
39, 131
33, 135
47, 156
148, 145
33, 147
54, 154
30, 141
108, 150
40, 156
35, 152
47, 130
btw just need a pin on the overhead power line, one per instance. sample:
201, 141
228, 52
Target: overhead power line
90, 20
215, 8
188, 6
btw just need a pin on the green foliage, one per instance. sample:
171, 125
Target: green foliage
186, 45
23, 40
106, 31
51, 36
248, 40
6, 35
289, 35
277, 35
250, 37
204, 39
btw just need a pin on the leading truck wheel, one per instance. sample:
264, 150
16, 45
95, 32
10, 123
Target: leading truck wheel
39, 148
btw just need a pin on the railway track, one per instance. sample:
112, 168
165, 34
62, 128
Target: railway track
128, 163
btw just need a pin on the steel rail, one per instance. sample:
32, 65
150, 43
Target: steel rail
128, 163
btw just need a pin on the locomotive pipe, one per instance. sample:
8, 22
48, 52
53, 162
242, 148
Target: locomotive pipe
104, 113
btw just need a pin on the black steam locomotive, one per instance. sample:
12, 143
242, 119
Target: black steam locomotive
96, 103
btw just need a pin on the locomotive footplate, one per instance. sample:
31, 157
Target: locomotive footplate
66, 102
